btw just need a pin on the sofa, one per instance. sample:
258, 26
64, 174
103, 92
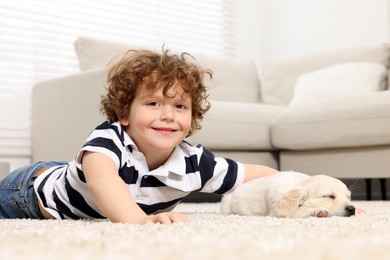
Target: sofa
322, 113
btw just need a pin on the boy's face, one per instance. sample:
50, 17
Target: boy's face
157, 123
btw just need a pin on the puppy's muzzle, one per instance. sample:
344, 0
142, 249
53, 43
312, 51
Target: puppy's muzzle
350, 210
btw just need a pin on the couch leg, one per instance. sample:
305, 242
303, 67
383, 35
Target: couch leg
383, 188
368, 189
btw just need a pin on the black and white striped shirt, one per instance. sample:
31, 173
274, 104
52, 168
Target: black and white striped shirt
63, 190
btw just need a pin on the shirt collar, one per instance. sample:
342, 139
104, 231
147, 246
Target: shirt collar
176, 163
127, 141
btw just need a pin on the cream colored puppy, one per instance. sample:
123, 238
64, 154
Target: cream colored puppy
290, 194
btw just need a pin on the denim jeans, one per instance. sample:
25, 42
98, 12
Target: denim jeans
17, 195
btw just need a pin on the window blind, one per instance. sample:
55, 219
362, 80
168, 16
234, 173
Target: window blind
36, 43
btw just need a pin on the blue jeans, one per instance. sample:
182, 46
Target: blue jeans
17, 195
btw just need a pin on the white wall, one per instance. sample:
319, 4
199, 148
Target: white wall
282, 28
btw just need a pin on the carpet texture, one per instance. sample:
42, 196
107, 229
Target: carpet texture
209, 235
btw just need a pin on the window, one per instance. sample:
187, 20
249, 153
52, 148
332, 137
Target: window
36, 43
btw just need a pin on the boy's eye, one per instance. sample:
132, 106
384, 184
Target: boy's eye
181, 106
153, 104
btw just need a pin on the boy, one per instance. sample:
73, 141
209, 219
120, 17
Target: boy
135, 167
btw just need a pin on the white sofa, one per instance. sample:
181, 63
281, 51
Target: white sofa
251, 119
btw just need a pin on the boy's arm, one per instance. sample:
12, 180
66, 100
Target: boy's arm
253, 171
112, 196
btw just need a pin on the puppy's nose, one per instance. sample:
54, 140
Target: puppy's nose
350, 210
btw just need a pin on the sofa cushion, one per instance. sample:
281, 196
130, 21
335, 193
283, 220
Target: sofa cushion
237, 126
360, 120
96, 53
233, 79
339, 80
278, 77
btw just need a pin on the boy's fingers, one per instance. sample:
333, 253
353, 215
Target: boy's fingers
360, 211
179, 217
169, 218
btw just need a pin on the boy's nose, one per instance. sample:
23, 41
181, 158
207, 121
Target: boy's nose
166, 113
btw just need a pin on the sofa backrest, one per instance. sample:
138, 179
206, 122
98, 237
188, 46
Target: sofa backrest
278, 77
233, 79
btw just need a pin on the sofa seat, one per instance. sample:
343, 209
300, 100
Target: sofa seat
330, 123
370, 162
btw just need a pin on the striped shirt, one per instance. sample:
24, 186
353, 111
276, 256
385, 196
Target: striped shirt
63, 190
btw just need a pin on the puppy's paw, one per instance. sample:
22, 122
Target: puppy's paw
321, 213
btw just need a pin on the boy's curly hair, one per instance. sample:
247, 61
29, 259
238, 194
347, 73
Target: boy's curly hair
150, 70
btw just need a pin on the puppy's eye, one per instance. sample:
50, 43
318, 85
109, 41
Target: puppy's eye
330, 196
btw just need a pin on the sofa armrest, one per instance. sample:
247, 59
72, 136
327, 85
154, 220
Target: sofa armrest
4, 169
64, 111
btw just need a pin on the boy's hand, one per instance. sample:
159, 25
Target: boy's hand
167, 218
360, 211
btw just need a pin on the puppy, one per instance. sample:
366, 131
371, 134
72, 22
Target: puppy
290, 194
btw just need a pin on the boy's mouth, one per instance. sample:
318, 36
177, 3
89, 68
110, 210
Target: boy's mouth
164, 130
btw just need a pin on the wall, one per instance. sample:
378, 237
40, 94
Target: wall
282, 28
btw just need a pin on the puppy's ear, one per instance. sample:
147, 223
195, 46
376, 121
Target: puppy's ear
290, 202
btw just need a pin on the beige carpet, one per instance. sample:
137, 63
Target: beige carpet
209, 235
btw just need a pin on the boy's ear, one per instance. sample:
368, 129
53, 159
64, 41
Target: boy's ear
124, 121
123, 117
